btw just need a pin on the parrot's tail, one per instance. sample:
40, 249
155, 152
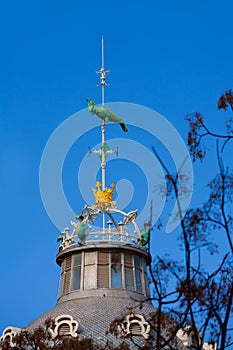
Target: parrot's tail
124, 127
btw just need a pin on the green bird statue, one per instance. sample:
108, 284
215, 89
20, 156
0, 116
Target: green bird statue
81, 230
145, 238
105, 114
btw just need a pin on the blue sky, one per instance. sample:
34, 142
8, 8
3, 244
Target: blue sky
173, 56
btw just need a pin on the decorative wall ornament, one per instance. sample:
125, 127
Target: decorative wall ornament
187, 337
9, 333
64, 325
134, 324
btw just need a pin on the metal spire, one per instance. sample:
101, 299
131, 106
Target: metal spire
104, 149
103, 73
103, 83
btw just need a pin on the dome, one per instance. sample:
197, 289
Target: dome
95, 313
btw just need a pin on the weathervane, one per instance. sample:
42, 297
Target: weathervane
126, 231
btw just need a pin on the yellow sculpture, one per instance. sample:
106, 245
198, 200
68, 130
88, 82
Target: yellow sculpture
105, 196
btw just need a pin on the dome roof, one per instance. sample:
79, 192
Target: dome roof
94, 313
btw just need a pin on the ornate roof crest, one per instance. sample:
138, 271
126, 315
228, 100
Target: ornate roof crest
103, 196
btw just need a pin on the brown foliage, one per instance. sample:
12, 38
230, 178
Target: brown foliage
191, 294
226, 100
196, 123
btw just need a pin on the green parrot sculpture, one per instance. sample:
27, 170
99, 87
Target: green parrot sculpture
81, 230
145, 238
105, 114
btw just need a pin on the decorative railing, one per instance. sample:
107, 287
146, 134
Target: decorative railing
112, 236
123, 232
95, 235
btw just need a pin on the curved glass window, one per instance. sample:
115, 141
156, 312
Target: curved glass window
66, 273
129, 278
138, 273
76, 272
104, 269
116, 270
90, 271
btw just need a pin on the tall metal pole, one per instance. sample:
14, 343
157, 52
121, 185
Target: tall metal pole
151, 227
102, 73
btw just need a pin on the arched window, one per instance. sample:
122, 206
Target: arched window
64, 325
134, 325
8, 334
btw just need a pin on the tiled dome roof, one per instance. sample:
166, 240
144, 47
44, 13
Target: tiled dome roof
95, 313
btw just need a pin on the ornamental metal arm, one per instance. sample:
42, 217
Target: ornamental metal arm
103, 150
103, 73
